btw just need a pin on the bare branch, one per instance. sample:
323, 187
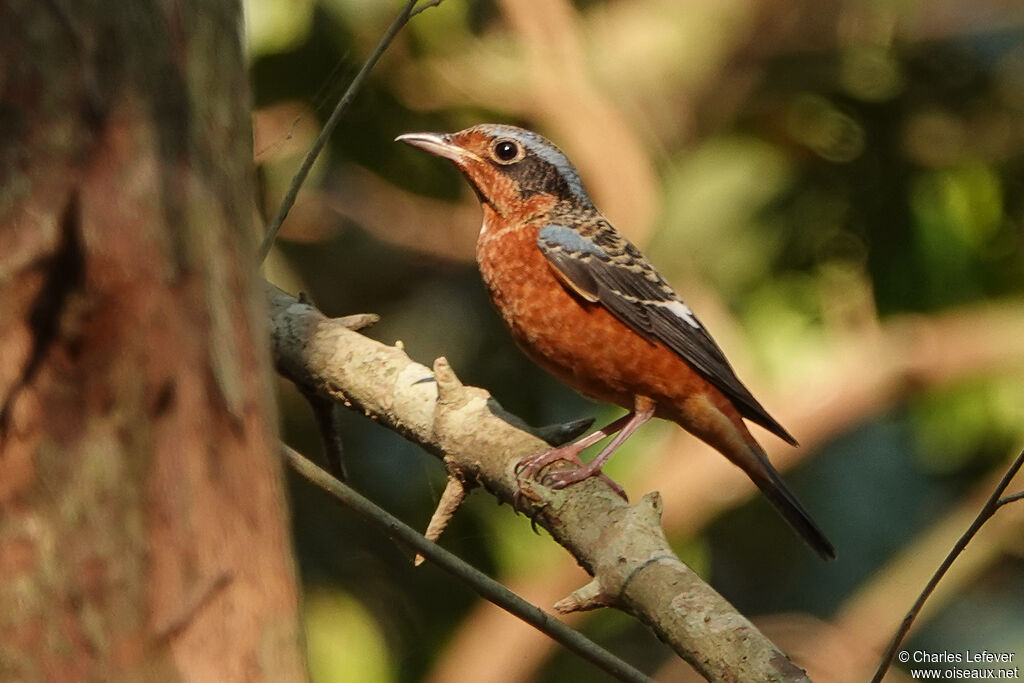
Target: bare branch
993, 503
1011, 499
454, 493
410, 10
425, 6
622, 546
484, 585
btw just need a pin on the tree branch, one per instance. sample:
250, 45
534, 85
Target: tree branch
484, 585
877, 368
994, 502
621, 546
409, 11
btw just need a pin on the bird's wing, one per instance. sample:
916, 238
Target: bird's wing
600, 265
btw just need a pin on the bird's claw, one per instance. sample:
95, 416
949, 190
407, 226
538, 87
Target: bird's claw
529, 504
531, 467
563, 478
523, 501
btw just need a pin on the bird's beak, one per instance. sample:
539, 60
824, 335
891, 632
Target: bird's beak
438, 144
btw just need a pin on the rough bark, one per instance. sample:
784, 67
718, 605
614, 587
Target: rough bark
621, 545
143, 529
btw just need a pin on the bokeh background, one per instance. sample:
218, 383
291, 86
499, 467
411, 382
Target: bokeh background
836, 187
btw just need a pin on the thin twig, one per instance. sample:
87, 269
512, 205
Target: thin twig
424, 6
410, 10
485, 586
1011, 499
993, 503
328, 420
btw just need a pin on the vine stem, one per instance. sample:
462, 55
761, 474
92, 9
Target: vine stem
408, 12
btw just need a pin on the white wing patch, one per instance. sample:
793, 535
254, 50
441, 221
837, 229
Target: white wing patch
676, 307
680, 310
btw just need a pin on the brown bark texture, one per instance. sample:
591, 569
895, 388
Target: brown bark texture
143, 528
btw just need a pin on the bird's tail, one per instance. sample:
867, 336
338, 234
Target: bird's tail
761, 472
719, 424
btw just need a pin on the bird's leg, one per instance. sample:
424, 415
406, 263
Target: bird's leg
643, 410
531, 466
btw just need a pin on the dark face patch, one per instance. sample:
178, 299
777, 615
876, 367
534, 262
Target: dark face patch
511, 169
533, 176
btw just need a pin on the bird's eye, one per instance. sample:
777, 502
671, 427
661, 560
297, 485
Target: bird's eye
506, 150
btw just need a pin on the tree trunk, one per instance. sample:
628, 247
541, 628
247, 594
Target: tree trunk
143, 531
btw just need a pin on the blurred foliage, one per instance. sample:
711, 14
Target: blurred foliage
803, 172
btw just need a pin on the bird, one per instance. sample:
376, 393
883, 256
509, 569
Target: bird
584, 304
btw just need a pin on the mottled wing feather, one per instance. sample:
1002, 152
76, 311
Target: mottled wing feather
598, 264
573, 273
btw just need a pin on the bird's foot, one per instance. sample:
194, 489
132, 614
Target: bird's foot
559, 480
532, 466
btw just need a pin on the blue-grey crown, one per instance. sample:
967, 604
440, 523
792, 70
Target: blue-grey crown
544, 150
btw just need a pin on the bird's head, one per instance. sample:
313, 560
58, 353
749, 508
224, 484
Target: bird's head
512, 170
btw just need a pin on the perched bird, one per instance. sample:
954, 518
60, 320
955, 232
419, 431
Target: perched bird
585, 304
